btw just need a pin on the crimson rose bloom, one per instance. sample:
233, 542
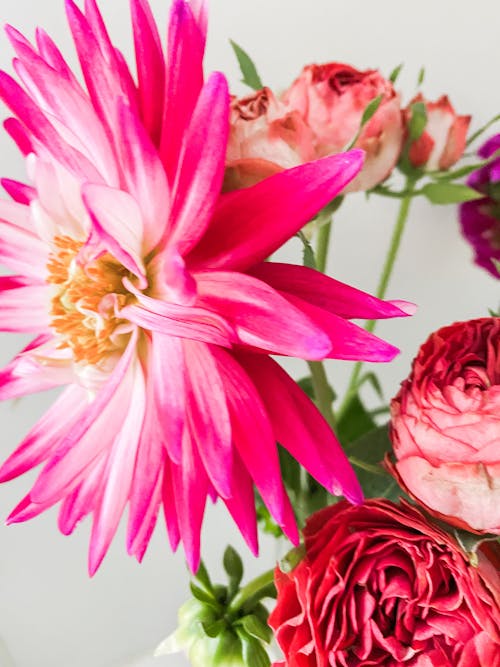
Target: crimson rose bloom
446, 425
380, 585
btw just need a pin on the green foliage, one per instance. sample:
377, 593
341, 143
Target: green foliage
418, 121
393, 77
368, 113
421, 76
354, 422
308, 258
449, 193
250, 75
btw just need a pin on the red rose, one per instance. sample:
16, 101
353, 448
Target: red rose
443, 141
331, 98
380, 585
445, 425
264, 138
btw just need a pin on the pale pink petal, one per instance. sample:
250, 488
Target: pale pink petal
190, 485
299, 427
183, 84
44, 437
83, 500
150, 67
254, 439
22, 251
208, 416
201, 166
261, 317
325, 292
145, 177
139, 540
18, 297
250, 224
119, 472
117, 220
167, 377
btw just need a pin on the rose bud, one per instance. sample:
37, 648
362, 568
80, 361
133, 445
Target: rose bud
380, 585
264, 138
480, 219
331, 98
442, 142
445, 426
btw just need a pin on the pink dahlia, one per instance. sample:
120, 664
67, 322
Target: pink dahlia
149, 297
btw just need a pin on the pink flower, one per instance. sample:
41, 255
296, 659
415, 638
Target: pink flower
264, 138
331, 98
446, 425
149, 297
380, 585
443, 141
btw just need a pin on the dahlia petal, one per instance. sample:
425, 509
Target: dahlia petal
254, 439
241, 504
300, 428
19, 297
91, 435
202, 163
119, 473
145, 177
16, 214
347, 340
117, 220
169, 510
150, 66
82, 500
269, 213
52, 56
44, 437
191, 484
183, 84
31, 116
19, 134
208, 415
26, 510
200, 13
22, 251
20, 192
167, 371
139, 540
261, 317
325, 292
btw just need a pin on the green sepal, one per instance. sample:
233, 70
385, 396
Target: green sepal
250, 75
233, 566
393, 76
418, 121
449, 193
256, 628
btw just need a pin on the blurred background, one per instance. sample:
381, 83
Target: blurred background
51, 613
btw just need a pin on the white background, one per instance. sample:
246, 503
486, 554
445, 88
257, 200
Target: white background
51, 614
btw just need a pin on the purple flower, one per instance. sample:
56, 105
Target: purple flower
480, 219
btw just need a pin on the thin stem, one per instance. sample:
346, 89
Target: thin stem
322, 390
252, 590
322, 246
382, 285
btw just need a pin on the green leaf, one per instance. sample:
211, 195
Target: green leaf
214, 629
290, 470
308, 258
393, 77
373, 380
368, 113
354, 422
233, 566
202, 578
250, 75
256, 628
421, 76
449, 193
254, 654
366, 454
418, 121
482, 129
457, 173
202, 595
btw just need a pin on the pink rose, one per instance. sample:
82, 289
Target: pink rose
443, 141
264, 138
331, 98
380, 585
446, 425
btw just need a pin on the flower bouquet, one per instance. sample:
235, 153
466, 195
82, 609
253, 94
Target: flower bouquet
141, 252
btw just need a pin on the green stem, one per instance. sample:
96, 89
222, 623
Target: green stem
255, 588
385, 276
322, 246
322, 390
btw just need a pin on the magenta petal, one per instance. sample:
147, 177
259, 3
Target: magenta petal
241, 504
209, 422
19, 134
83, 500
119, 473
250, 224
325, 292
169, 509
202, 162
260, 316
20, 192
27, 509
300, 428
183, 83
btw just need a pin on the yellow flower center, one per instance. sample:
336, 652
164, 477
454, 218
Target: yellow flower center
83, 308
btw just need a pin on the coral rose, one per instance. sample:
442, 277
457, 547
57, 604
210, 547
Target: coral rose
443, 140
264, 138
480, 218
380, 585
446, 425
332, 97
